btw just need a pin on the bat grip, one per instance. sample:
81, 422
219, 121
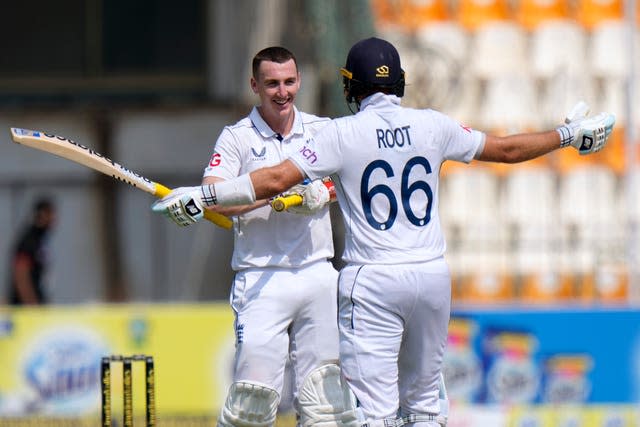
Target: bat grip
282, 203
214, 217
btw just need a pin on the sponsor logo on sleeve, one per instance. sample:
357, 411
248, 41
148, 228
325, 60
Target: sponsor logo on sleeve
215, 160
309, 154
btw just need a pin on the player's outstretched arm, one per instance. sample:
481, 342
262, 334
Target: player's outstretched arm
585, 134
187, 206
230, 211
269, 182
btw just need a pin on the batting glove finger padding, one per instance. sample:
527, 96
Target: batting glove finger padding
297, 189
183, 208
578, 112
315, 196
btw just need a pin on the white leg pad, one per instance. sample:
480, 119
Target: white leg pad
249, 404
325, 400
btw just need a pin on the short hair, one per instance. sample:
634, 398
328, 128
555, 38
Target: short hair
277, 54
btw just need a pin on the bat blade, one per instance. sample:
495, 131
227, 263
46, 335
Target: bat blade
78, 153
71, 150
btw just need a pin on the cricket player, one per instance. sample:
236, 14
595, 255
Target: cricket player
394, 293
284, 290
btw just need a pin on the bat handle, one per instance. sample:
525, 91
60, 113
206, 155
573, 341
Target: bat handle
214, 217
282, 203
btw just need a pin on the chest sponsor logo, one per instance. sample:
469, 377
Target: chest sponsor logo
258, 155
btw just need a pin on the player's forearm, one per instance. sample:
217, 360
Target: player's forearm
269, 182
520, 147
238, 210
232, 210
188, 205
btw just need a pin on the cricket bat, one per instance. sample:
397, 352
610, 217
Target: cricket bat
71, 150
282, 203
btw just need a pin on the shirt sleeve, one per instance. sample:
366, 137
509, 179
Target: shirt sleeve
459, 142
225, 161
321, 155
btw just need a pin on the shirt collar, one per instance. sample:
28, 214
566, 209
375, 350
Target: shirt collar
379, 99
266, 131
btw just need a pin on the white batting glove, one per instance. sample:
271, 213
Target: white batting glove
182, 206
579, 111
315, 196
586, 134
296, 189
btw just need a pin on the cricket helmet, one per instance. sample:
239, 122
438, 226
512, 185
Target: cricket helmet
372, 64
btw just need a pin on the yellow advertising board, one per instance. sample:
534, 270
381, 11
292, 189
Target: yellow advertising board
50, 370
50, 358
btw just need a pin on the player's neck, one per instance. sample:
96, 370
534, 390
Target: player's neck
281, 124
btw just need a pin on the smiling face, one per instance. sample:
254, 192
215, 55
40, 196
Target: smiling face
277, 85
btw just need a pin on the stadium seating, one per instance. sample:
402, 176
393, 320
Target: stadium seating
473, 14
476, 239
498, 48
558, 46
591, 230
450, 86
530, 202
530, 14
549, 229
502, 113
591, 13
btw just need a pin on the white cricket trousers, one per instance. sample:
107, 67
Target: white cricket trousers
393, 322
280, 311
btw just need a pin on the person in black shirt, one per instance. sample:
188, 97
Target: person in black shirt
29, 257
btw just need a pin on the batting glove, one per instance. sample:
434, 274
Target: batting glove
299, 190
586, 134
315, 196
182, 206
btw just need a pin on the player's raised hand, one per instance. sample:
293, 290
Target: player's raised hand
182, 206
586, 134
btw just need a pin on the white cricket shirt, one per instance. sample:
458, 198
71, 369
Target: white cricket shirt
385, 161
263, 237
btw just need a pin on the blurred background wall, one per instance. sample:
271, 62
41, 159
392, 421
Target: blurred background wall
150, 84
